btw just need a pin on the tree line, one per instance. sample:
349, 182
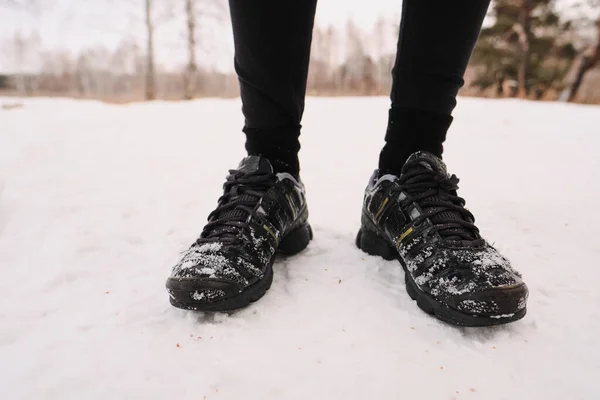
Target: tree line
529, 49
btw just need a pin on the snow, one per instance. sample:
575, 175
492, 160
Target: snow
98, 201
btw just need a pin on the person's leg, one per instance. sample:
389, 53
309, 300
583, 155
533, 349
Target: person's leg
261, 212
272, 50
411, 209
434, 47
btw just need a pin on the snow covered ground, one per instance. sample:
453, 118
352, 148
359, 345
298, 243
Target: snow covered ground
97, 201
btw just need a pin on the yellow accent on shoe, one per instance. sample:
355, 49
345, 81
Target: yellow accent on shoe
270, 232
404, 235
381, 208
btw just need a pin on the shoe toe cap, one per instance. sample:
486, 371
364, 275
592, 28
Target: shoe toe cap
481, 283
205, 279
201, 289
503, 300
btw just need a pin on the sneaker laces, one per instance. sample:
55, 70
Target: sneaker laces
242, 191
435, 193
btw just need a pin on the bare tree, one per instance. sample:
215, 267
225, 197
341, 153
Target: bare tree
523, 28
319, 70
150, 71
355, 58
384, 34
588, 62
332, 47
198, 14
191, 73
19, 48
155, 13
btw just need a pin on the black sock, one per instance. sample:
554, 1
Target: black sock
279, 145
410, 131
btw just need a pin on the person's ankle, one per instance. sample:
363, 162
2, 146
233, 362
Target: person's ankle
279, 145
411, 130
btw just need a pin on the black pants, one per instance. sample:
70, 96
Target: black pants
272, 50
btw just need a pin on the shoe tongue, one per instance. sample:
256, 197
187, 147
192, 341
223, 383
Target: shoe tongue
429, 161
425, 160
255, 164
250, 164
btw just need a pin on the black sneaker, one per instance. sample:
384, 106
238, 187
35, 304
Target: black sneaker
230, 265
450, 270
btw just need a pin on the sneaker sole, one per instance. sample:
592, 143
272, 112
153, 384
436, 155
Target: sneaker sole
375, 245
293, 243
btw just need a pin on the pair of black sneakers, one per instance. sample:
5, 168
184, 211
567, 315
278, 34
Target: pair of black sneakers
416, 218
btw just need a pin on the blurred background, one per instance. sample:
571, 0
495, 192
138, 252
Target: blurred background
133, 50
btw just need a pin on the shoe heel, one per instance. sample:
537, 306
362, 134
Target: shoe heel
375, 245
296, 240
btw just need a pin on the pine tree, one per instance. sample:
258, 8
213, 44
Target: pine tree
528, 43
